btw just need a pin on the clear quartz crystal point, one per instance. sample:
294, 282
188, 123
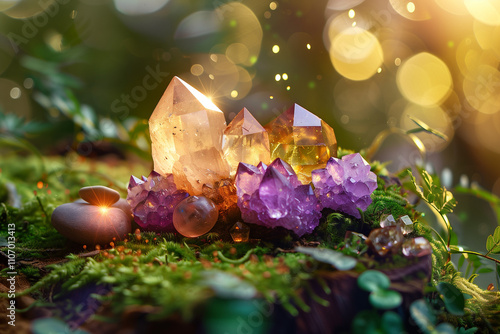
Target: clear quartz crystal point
245, 140
186, 131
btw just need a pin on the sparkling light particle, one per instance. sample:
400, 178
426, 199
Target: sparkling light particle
410, 7
277, 77
234, 94
285, 76
288, 88
273, 5
15, 93
397, 61
308, 46
379, 70
103, 209
276, 49
352, 13
197, 70
39, 185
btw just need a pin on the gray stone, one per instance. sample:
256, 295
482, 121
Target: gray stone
90, 224
99, 195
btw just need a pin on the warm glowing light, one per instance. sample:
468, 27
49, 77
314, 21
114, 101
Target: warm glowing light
486, 11
277, 77
104, 209
379, 69
308, 46
288, 88
397, 61
15, 93
39, 185
271, 97
234, 94
285, 76
276, 49
197, 70
273, 5
356, 53
424, 79
410, 7
352, 13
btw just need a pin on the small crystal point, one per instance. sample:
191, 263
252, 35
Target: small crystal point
240, 232
386, 240
245, 140
416, 247
406, 224
186, 133
302, 139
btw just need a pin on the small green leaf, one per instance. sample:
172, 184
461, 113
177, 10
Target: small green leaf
52, 326
337, 259
444, 328
423, 315
493, 242
372, 280
462, 330
461, 261
452, 297
385, 299
392, 323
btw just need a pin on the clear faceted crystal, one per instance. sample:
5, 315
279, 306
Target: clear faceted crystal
416, 247
245, 140
302, 139
186, 133
406, 224
386, 240
387, 220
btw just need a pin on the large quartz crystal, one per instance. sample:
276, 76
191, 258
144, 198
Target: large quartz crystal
245, 140
345, 184
302, 139
153, 200
186, 133
272, 196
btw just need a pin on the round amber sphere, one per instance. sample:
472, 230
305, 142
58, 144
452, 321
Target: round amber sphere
194, 216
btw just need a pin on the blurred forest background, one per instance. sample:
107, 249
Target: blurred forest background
85, 75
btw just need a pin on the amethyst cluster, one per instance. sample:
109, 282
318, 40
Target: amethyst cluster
153, 200
345, 184
273, 196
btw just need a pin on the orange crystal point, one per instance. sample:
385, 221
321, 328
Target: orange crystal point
186, 135
245, 140
302, 139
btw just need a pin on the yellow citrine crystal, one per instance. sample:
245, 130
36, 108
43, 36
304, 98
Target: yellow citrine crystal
302, 139
245, 140
186, 131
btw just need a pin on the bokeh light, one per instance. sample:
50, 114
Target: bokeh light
23, 9
482, 89
342, 5
424, 79
416, 10
488, 37
356, 53
13, 99
452, 6
139, 7
486, 11
6, 4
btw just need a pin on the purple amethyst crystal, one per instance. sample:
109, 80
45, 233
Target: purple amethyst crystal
153, 200
345, 184
272, 196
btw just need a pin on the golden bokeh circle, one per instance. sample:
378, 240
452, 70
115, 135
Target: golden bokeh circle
356, 54
424, 79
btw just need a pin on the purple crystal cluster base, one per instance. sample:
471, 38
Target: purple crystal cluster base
345, 184
153, 200
273, 196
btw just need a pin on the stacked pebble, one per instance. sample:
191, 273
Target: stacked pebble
98, 217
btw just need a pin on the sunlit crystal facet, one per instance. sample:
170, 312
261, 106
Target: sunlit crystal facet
186, 133
245, 140
302, 139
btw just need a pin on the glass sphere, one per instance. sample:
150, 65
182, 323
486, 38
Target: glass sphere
194, 216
